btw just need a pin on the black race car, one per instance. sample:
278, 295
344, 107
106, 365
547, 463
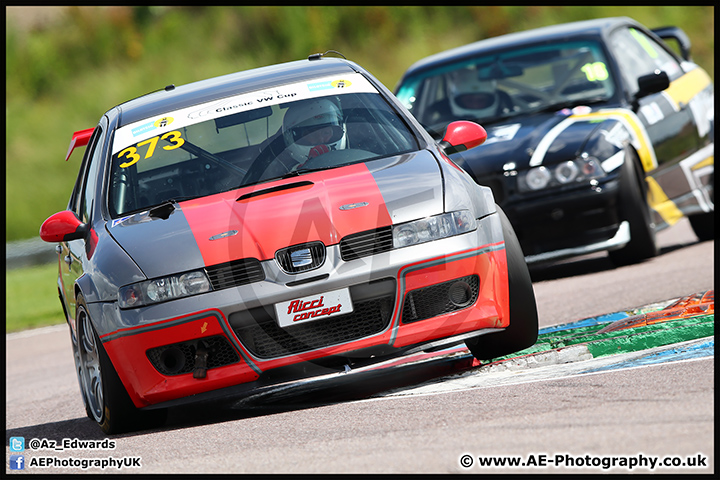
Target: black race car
599, 135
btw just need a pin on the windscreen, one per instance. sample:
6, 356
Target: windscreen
250, 138
515, 82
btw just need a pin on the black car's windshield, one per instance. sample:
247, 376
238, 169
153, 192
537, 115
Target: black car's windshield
251, 138
514, 82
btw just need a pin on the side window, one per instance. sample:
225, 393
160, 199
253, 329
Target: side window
639, 55
93, 160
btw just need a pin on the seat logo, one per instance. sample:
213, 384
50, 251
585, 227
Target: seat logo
301, 258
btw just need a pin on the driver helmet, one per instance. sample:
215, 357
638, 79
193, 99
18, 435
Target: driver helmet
311, 125
470, 96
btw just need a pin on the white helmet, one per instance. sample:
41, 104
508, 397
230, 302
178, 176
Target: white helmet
310, 124
470, 96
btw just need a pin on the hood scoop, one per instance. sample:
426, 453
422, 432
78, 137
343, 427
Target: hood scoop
289, 186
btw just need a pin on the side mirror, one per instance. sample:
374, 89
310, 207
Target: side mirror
62, 227
652, 83
462, 135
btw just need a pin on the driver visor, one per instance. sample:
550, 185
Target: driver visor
303, 135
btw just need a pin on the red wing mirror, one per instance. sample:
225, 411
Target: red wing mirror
462, 135
62, 227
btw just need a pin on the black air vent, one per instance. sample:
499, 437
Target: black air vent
235, 273
440, 299
179, 358
265, 339
366, 243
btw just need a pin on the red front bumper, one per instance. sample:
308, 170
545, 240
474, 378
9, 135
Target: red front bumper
147, 386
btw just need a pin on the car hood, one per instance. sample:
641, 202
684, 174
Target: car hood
544, 138
257, 221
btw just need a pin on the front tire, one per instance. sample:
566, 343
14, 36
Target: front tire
634, 208
79, 371
106, 400
523, 329
703, 225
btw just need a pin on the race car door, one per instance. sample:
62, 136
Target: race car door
675, 119
73, 253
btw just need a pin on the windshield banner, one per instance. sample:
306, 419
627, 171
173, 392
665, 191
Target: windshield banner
317, 87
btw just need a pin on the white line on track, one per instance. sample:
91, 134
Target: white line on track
513, 373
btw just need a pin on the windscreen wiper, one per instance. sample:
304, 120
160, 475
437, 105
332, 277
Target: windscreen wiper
167, 207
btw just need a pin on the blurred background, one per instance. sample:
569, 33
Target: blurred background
65, 66
68, 65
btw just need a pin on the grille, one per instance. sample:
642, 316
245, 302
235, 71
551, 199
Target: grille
235, 273
301, 258
220, 353
268, 340
366, 243
440, 299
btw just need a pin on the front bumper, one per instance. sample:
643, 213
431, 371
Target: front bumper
403, 298
560, 224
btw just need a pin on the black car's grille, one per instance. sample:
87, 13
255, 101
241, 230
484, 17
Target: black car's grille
235, 273
440, 299
301, 258
266, 339
179, 358
366, 243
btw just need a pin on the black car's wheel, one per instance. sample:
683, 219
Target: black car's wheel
703, 225
633, 207
523, 329
106, 400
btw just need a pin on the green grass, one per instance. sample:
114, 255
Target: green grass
31, 298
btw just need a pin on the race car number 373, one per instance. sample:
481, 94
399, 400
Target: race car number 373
263, 264
313, 307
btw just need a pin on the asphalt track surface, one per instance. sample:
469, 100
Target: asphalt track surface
623, 412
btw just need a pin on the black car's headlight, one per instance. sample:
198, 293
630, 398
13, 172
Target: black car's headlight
580, 170
163, 289
433, 228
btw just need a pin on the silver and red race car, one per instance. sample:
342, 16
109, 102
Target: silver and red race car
269, 225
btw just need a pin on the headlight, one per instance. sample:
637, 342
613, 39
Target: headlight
163, 289
433, 228
566, 172
576, 171
537, 178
